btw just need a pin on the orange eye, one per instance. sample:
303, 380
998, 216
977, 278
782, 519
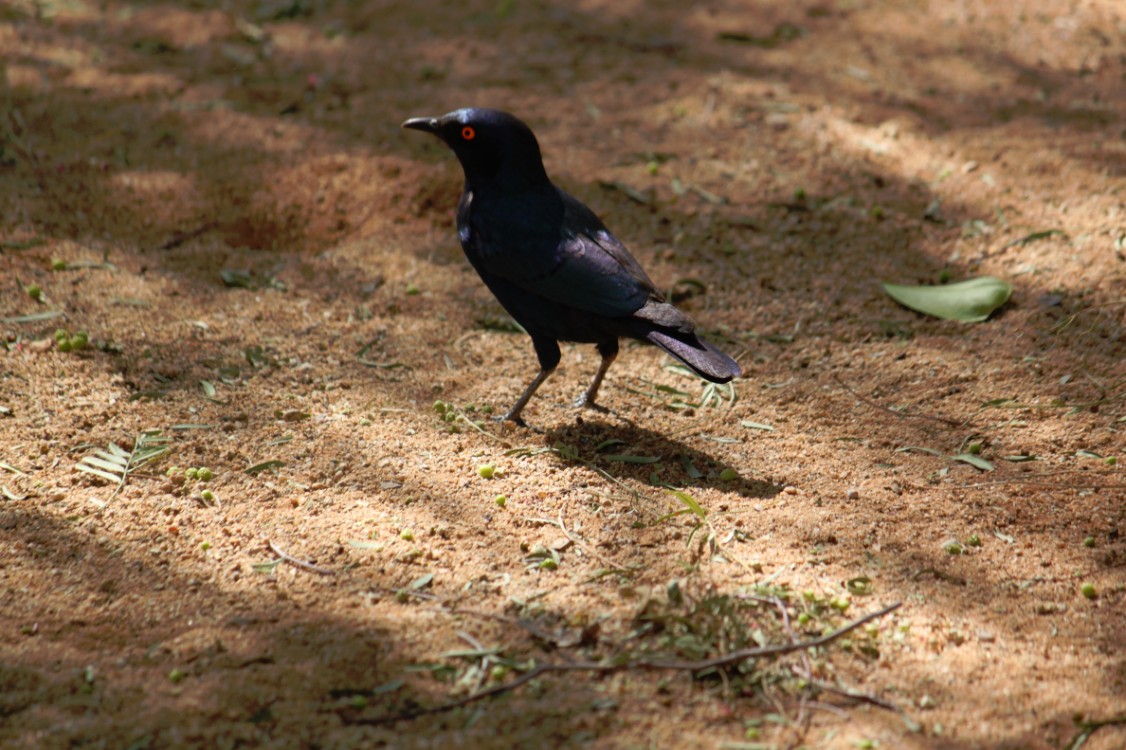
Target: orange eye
468, 133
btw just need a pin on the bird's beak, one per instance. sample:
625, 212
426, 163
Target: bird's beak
427, 124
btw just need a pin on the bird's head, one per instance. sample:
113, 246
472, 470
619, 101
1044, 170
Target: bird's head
494, 148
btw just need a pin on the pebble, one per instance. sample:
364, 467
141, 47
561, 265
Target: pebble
853, 493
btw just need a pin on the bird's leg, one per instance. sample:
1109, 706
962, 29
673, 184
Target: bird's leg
608, 350
547, 351
513, 414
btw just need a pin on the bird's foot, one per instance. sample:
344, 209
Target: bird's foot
586, 402
516, 419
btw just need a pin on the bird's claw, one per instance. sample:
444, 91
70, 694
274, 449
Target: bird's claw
515, 419
584, 402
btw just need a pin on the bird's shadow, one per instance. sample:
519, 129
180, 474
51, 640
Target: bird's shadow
628, 451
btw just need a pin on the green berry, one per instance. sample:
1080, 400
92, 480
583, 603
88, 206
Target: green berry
440, 407
1089, 541
406, 535
728, 475
487, 471
58, 264
204, 474
974, 540
1088, 590
176, 676
208, 496
61, 334
191, 472
413, 289
1110, 460
34, 291
500, 500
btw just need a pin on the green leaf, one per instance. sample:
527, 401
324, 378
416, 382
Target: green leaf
756, 425
623, 459
115, 464
918, 449
34, 317
258, 468
971, 301
690, 503
366, 544
1041, 235
861, 586
209, 391
423, 581
975, 461
236, 279
11, 495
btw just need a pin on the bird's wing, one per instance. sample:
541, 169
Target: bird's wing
573, 260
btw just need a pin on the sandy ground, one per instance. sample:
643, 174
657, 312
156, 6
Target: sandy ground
265, 265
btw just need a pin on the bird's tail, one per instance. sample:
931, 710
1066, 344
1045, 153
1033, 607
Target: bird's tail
704, 359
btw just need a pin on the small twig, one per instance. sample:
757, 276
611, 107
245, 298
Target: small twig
181, 237
483, 431
837, 711
889, 410
587, 548
298, 562
1036, 480
1087, 727
855, 695
940, 575
532, 630
639, 663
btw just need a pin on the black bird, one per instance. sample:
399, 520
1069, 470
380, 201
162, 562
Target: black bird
552, 264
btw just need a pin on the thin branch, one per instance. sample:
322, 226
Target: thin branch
855, 695
298, 562
639, 663
889, 410
764, 651
587, 548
